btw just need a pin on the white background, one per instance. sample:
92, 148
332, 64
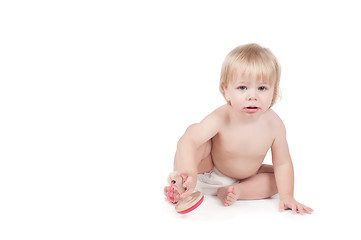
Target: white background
95, 94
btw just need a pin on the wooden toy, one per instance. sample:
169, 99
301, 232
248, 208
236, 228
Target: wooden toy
184, 205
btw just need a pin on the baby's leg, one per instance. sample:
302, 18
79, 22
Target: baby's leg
260, 186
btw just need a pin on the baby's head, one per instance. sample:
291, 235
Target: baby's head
251, 60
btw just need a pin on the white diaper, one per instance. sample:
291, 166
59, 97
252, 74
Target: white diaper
208, 183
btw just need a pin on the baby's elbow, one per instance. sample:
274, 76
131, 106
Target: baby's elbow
185, 142
180, 143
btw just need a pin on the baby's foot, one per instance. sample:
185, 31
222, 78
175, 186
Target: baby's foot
227, 195
176, 195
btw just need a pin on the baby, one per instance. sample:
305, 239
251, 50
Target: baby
225, 151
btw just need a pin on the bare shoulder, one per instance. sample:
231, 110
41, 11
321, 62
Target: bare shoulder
219, 115
276, 123
208, 127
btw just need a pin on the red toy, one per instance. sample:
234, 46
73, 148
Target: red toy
184, 205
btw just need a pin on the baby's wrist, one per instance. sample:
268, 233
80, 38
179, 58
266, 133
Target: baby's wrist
187, 171
285, 196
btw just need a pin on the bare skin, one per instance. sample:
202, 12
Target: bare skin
236, 138
262, 185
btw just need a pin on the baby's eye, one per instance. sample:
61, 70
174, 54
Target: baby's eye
242, 88
262, 88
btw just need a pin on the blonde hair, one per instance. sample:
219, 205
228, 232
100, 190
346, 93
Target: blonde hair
251, 60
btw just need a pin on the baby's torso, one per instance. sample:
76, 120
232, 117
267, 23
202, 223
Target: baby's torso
238, 151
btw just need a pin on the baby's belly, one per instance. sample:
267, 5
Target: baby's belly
239, 167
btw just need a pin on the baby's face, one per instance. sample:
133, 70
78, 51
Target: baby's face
249, 95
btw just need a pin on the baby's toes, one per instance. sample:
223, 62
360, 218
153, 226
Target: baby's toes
233, 197
229, 199
227, 202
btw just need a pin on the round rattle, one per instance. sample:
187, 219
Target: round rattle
184, 205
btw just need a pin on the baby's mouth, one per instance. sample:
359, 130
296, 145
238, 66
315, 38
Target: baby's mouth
251, 109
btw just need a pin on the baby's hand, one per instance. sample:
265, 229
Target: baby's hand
296, 207
189, 184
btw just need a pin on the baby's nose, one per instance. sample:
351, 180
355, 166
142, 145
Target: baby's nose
252, 96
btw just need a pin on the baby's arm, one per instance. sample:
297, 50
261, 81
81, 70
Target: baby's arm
284, 173
185, 161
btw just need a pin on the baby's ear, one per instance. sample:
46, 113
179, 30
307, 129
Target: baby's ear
225, 88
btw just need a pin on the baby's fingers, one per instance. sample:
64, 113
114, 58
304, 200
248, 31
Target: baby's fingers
301, 210
308, 209
286, 206
281, 206
188, 191
185, 194
187, 185
304, 209
188, 188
